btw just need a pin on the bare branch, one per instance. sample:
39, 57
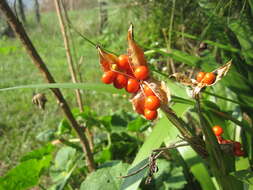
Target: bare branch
39, 63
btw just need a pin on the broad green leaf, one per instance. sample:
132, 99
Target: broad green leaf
63, 127
103, 156
169, 176
46, 136
138, 125
27, 173
23, 176
66, 162
153, 141
64, 157
105, 178
39, 153
85, 86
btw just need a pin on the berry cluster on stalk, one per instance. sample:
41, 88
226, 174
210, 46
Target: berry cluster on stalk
132, 79
237, 147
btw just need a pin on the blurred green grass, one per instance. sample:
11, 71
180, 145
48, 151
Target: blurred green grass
21, 121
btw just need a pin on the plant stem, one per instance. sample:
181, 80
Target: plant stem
218, 162
195, 142
39, 63
66, 39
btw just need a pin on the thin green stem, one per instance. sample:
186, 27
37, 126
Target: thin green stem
86, 38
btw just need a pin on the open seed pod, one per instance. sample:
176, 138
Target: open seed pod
135, 52
197, 86
136, 60
108, 61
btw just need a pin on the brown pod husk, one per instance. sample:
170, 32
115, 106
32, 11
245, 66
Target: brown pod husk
107, 60
197, 86
135, 52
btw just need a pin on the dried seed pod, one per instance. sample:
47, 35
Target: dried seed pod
39, 100
202, 46
135, 53
108, 61
197, 86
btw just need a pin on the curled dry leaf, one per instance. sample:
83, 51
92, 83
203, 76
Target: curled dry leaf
135, 53
107, 60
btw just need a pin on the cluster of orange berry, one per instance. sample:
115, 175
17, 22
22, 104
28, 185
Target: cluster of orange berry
132, 79
206, 78
237, 147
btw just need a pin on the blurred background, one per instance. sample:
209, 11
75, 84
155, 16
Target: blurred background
176, 35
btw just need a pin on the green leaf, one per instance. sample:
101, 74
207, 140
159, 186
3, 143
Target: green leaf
245, 176
168, 176
23, 176
66, 162
46, 136
138, 125
63, 127
26, 174
153, 141
85, 86
103, 156
64, 157
39, 153
105, 178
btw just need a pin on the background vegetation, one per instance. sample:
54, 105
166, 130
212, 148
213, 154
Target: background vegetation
170, 33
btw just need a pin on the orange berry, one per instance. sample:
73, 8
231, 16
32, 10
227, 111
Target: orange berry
123, 62
108, 77
152, 103
148, 91
141, 72
132, 85
120, 81
209, 78
217, 130
200, 76
149, 114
